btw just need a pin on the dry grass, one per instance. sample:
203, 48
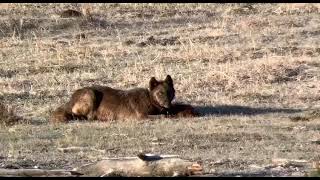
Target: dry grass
252, 70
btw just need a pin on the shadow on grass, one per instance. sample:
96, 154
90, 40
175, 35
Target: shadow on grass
224, 110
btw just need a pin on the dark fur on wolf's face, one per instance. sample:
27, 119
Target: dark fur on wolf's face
162, 92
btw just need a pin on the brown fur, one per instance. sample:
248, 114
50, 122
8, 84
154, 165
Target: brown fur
182, 110
105, 103
70, 13
60, 115
8, 116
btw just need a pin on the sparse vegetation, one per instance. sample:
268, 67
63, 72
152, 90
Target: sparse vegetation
251, 70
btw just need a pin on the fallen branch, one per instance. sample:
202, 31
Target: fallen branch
289, 162
143, 165
78, 149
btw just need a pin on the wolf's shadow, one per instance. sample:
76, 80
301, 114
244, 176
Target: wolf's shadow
224, 110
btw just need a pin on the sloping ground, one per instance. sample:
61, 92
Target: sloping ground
252, 70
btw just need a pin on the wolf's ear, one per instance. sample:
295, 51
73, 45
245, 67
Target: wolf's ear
153, 83
169, 80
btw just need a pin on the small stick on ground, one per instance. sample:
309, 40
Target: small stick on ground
78, 149
289, 162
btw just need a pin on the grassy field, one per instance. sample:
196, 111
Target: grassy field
251, 70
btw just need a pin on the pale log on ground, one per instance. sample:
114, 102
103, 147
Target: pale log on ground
143, 165
289, 162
